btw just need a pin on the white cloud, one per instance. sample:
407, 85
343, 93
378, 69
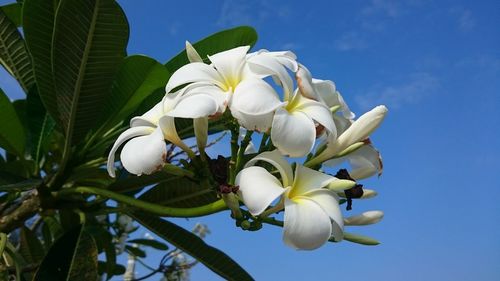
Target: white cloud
241, 12
417, 86
350, 41
464, 18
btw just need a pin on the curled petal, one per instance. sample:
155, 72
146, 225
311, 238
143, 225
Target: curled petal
194, 72
276, 159
307, 180
293, 133
201, 132
265, 64
254, 96
329, 202
304, 82
326, 90
125, 136
365, 162
257, 188
317, 111
144, 154
307, 226
167, 125
365, 218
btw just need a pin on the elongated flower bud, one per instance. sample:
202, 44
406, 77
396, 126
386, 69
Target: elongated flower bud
365, 218
192, 54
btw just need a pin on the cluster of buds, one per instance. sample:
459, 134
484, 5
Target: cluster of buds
298, 116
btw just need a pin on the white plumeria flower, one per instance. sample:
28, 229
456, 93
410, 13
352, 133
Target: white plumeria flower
231, 83
358, 131
322, 90
312, 213
365, 162
294, 130
145, 150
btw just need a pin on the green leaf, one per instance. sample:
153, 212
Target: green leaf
136, 251
180, 193
151, 243
86, 54
30, 247
194, 246
215, 43
40, 125
72, 257
134, 183
137, 78
20, 186
38, 25
12, 137
13, 12
51, 230
13, 53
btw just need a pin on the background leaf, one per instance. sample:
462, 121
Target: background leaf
86, 54
30, 247
137, 78
215, 43
151, 243
76, 256
12, 136
194, 246
13, 12
13, 53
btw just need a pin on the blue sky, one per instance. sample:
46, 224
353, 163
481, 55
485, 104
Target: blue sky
436, 65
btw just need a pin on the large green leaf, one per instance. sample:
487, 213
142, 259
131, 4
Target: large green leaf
215, 43
30, 247
138, 77
13, 53
186, 241
151, 243
133, 183
38, 26
12, 136
104, 242
181, 193
40, 124
13, 12
20, 186
73, 257
86, 54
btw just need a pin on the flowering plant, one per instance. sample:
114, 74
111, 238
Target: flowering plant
85, 99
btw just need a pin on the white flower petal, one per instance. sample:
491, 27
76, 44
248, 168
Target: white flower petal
150, 118
276, 159
194, 106
365, 162
167, 125
259, 123
144, 154
257, 188
329, 202
125, 136
307, 226
317, 111
254, 96
293, 133
265, 64
365, 218
194, 72
304, 83
230, 63
307, 179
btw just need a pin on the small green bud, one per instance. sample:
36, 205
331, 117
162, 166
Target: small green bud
340, 185
245, 225
350, 149
360, 239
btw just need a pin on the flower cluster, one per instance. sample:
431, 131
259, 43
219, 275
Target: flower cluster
299, 116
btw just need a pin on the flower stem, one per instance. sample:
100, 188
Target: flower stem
241, 152
234, 154
160, 210
262, 145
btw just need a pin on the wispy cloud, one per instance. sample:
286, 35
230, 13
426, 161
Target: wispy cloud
240, 12
413, 90
388, 8
351, 41
465, 19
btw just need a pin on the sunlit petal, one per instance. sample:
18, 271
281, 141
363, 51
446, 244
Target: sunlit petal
194, 106
307, 226
144, 154
150, 118
255, 96
125, 136
317, 111
307, 179
293, 133
276, 159
329, 202
257, 188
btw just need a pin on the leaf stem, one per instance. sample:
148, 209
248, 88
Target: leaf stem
160, 210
